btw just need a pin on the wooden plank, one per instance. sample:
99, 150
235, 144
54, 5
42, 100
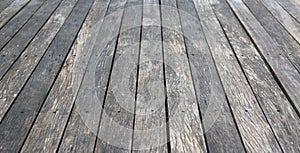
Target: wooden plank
4, 4
81, 131
13, 81
288, 77
218, 122
285, 41
22, 114
17, 44
17, 22
279, 112
117, 119
290, 24
186, 131
253, 126
11, 10
55, 113
291, 7
150, 130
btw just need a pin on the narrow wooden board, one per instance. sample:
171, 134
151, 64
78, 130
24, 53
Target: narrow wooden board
17, 22
288, 77
291, 25
253, 126
19, 119
285, 41
185, 127
150, 130
117, 119
219, 125
11, 10
51, 120
18, 43
13, 81
291, 7
4, 4
280, 114
81, 131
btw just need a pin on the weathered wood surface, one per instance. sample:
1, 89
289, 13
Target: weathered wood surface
150, 128
291, 7
17, 22
285, 41
13, 81
17, 44
117, 119
209, 91
291, 25
11, 10
149, 76
280, 114
49, 122
284, 71
248, 114
19, 119
186, 131
82, 130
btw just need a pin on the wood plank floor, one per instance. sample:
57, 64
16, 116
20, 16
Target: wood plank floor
149, 76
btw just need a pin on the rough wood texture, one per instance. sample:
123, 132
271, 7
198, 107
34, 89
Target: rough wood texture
186, 131
23, 112
282, 68
82, 129
291, 7
248, 114
291, 25
17, 44
218, 122
13, 81
4, 4
150, 133
55, 111
17, 22
285, 41
11, 10
117, 119
279, 112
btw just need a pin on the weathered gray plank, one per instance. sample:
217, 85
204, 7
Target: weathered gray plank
47, 130
117, 120
219, 126
4, 4
253, 126
150, 130
282, 68
286, 42
290, 24
11, 10
186, 132
279, 112
15, 78
19, 119
83, 125
17, 44
17, 22
291, 7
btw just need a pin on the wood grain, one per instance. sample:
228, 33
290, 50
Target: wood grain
291, 7
255, 131
17, 22
17, 44
218, 122
13, 81
284, 71
11, 10
19, 119
186, 131
280, 114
